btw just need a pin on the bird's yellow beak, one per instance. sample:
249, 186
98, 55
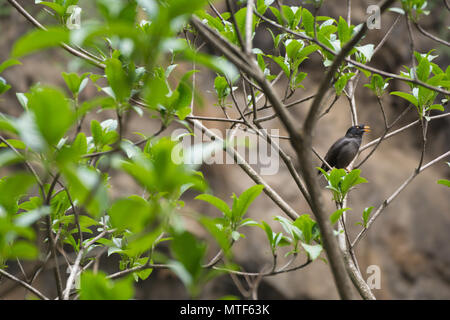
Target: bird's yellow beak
366, 129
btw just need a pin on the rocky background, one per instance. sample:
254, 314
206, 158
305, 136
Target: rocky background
409, 242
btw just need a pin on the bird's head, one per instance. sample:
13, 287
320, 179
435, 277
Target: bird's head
357, 131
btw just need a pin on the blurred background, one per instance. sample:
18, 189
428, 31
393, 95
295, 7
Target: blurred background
409, 242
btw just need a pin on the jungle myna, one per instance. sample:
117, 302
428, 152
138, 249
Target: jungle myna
344, 150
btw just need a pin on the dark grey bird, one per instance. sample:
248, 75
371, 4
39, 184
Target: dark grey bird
344, 150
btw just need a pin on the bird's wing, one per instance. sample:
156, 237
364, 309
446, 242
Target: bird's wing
347, 153
332, 154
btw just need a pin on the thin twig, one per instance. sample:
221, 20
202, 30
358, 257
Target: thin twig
395, 194
429, 35
354, 62
24, 284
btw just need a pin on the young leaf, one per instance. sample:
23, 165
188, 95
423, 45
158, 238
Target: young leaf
406, 96
351, 180
313, 251
118, 80
217, 202
38, 40
344, 32
308, 22
366, 215
132, 213
244, 201
444, 182
52, 113
9, 63
337, 214
306, 226
99, 287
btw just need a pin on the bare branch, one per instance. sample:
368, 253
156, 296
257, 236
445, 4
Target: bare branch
24, 284
395, 194
429, 35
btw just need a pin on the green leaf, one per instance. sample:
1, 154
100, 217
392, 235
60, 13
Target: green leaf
367, 51
262, 5
335, 177
26, 219
74, 82
308, 22
244, 201
59, 9
342, 82
290, 227
23, 100
344, 32
84, 184
397, 10
51, 111
4, 86
293, 48
337, 214
99, 287
269, 232
23, 250
8, 63
145, 273
118, 80
189, 252
221, 87
327, 176
366, 215
97, 132
313, 251
439, 107
281, 62
351, 180
132, 213
218, 233
38, 40
217, 202
444, 182
423, 69
12, 188
306, 226
406, 96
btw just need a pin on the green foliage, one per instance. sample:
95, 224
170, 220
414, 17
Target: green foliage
75, 83
156, 170
303, 231
99, 287
225, 229
340, 182
445, 182
16, 232
147, 69
378, 85
365, 216
337, 215
415, 8
189, 253
51, 113
39, 39
222, 89
426, 71
4, 86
